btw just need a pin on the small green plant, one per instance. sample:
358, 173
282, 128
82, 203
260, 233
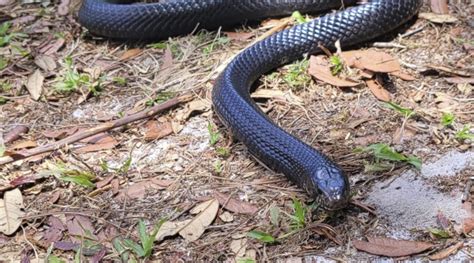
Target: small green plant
218, 167
407, 113
64, 173
337, 64
382, 151
121, 81
296, 75
465, 133
3, 62
160, 98
223, 151
142, 250
447, 119
3, 100
214, 136
174, 47
262, 237
72, 80
299, 18
245, 260
439, 233
219, 42
299, 216
6, 36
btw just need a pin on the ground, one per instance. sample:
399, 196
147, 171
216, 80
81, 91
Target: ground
87, 199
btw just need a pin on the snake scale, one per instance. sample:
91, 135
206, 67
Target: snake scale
321, 178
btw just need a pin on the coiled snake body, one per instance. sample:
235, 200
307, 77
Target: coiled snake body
277, 149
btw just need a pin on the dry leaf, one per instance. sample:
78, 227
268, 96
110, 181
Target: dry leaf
45, 62
276, 94
15, 133
468, 225
374, 61
320, 68
196, 226
101, 146
11, 211
23, 145
239, 36
378, 91
139, 189
437, 18
59, 134
53, 48
391, 247
170, 229
446, 252
226, 217
235, 205
131, 53
439, 6
34, 85
403, 76
239, 247
198, 105
80, 227
157, 131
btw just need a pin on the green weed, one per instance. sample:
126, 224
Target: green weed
261, 236
447, 119
337, 65
6, 36
407, 113
219, 42
73, 80
299, 18
64, 173
160, 98
296, 75
382, 151
465, 133
214, 136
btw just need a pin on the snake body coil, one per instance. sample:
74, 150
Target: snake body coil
277, 149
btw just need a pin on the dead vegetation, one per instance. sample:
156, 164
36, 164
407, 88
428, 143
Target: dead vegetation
175, 186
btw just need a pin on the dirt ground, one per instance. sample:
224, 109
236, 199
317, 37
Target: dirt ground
85, 201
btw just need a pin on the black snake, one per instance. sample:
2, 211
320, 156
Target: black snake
277, 149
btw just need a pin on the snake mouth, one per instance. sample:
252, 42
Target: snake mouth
333, 203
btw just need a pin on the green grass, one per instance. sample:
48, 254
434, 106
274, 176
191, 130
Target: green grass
407, 113
262, 237
160, 98
67, 174
217, 43
214, 136
382, 151
143, 250
447, 119
299, 18
72, 80
296, 75
336, 65
6, 36
465, 133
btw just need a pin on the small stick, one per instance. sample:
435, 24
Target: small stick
147, 113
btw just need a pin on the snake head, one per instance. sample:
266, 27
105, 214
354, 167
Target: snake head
332, 187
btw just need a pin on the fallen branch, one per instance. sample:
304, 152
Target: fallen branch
147, 113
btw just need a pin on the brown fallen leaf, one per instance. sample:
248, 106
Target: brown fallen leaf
458, 80
102, 146
59, 134
402, 134
23, 145
139, 189
79, 228
157, 130
439, 6
45, 62
52, 48
468, 225
131, 53
391, 247
193, 230
239, 36
438, 18
11, 211
403, 76
198, 105
34, 85
168, 60
15, 133
378, 91
372, 60
235, 205
320, 68
446, 252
